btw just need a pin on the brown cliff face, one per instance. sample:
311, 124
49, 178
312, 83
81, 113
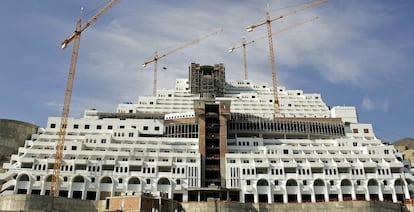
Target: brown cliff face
12, 136
406, 146
407, 142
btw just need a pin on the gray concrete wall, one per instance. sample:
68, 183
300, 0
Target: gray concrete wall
12, 136
37, 203
348, 206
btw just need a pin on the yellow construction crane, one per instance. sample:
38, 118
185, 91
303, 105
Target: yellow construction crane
245, 43
157, 57
268, 22
68, 93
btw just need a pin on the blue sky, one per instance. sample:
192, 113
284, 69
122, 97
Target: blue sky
357, 53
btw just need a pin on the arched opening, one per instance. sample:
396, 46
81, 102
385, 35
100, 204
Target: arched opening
48, 181
292, 190
164, 186
78, 179
163, 181
106, 180
318, 182
134, 184
78, 185
373, 190
399, 189
23, 177
134, 180
263, 190
291, 182
105, 187
319, 189
48, 178
22, 184
262, 182
346, 189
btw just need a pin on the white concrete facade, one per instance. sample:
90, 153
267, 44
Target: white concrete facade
132, 155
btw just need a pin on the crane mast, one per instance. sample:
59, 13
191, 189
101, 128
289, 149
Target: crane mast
245, 43
157, 56
268, 22
272, 62
68, 93
245, 58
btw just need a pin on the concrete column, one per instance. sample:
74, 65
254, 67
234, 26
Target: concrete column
270, 194
256, 197
326, 195
313, 198
394, 195
285, 197
353, 195
380, 195
98, 191
70, 190
241, 195
340, 198
406, 192
185, 195
367, 197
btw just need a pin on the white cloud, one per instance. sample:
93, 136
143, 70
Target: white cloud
339, 45
372, 105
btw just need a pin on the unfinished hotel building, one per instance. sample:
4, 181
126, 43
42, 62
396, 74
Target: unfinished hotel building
212, 138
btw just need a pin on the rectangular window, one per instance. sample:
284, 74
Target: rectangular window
52, 125
248, 182
366, 131
98, 127
110, 127
355, 130
87, 126
76, 126
157, 128
145, 127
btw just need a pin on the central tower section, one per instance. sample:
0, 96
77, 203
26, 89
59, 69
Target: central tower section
207, 80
